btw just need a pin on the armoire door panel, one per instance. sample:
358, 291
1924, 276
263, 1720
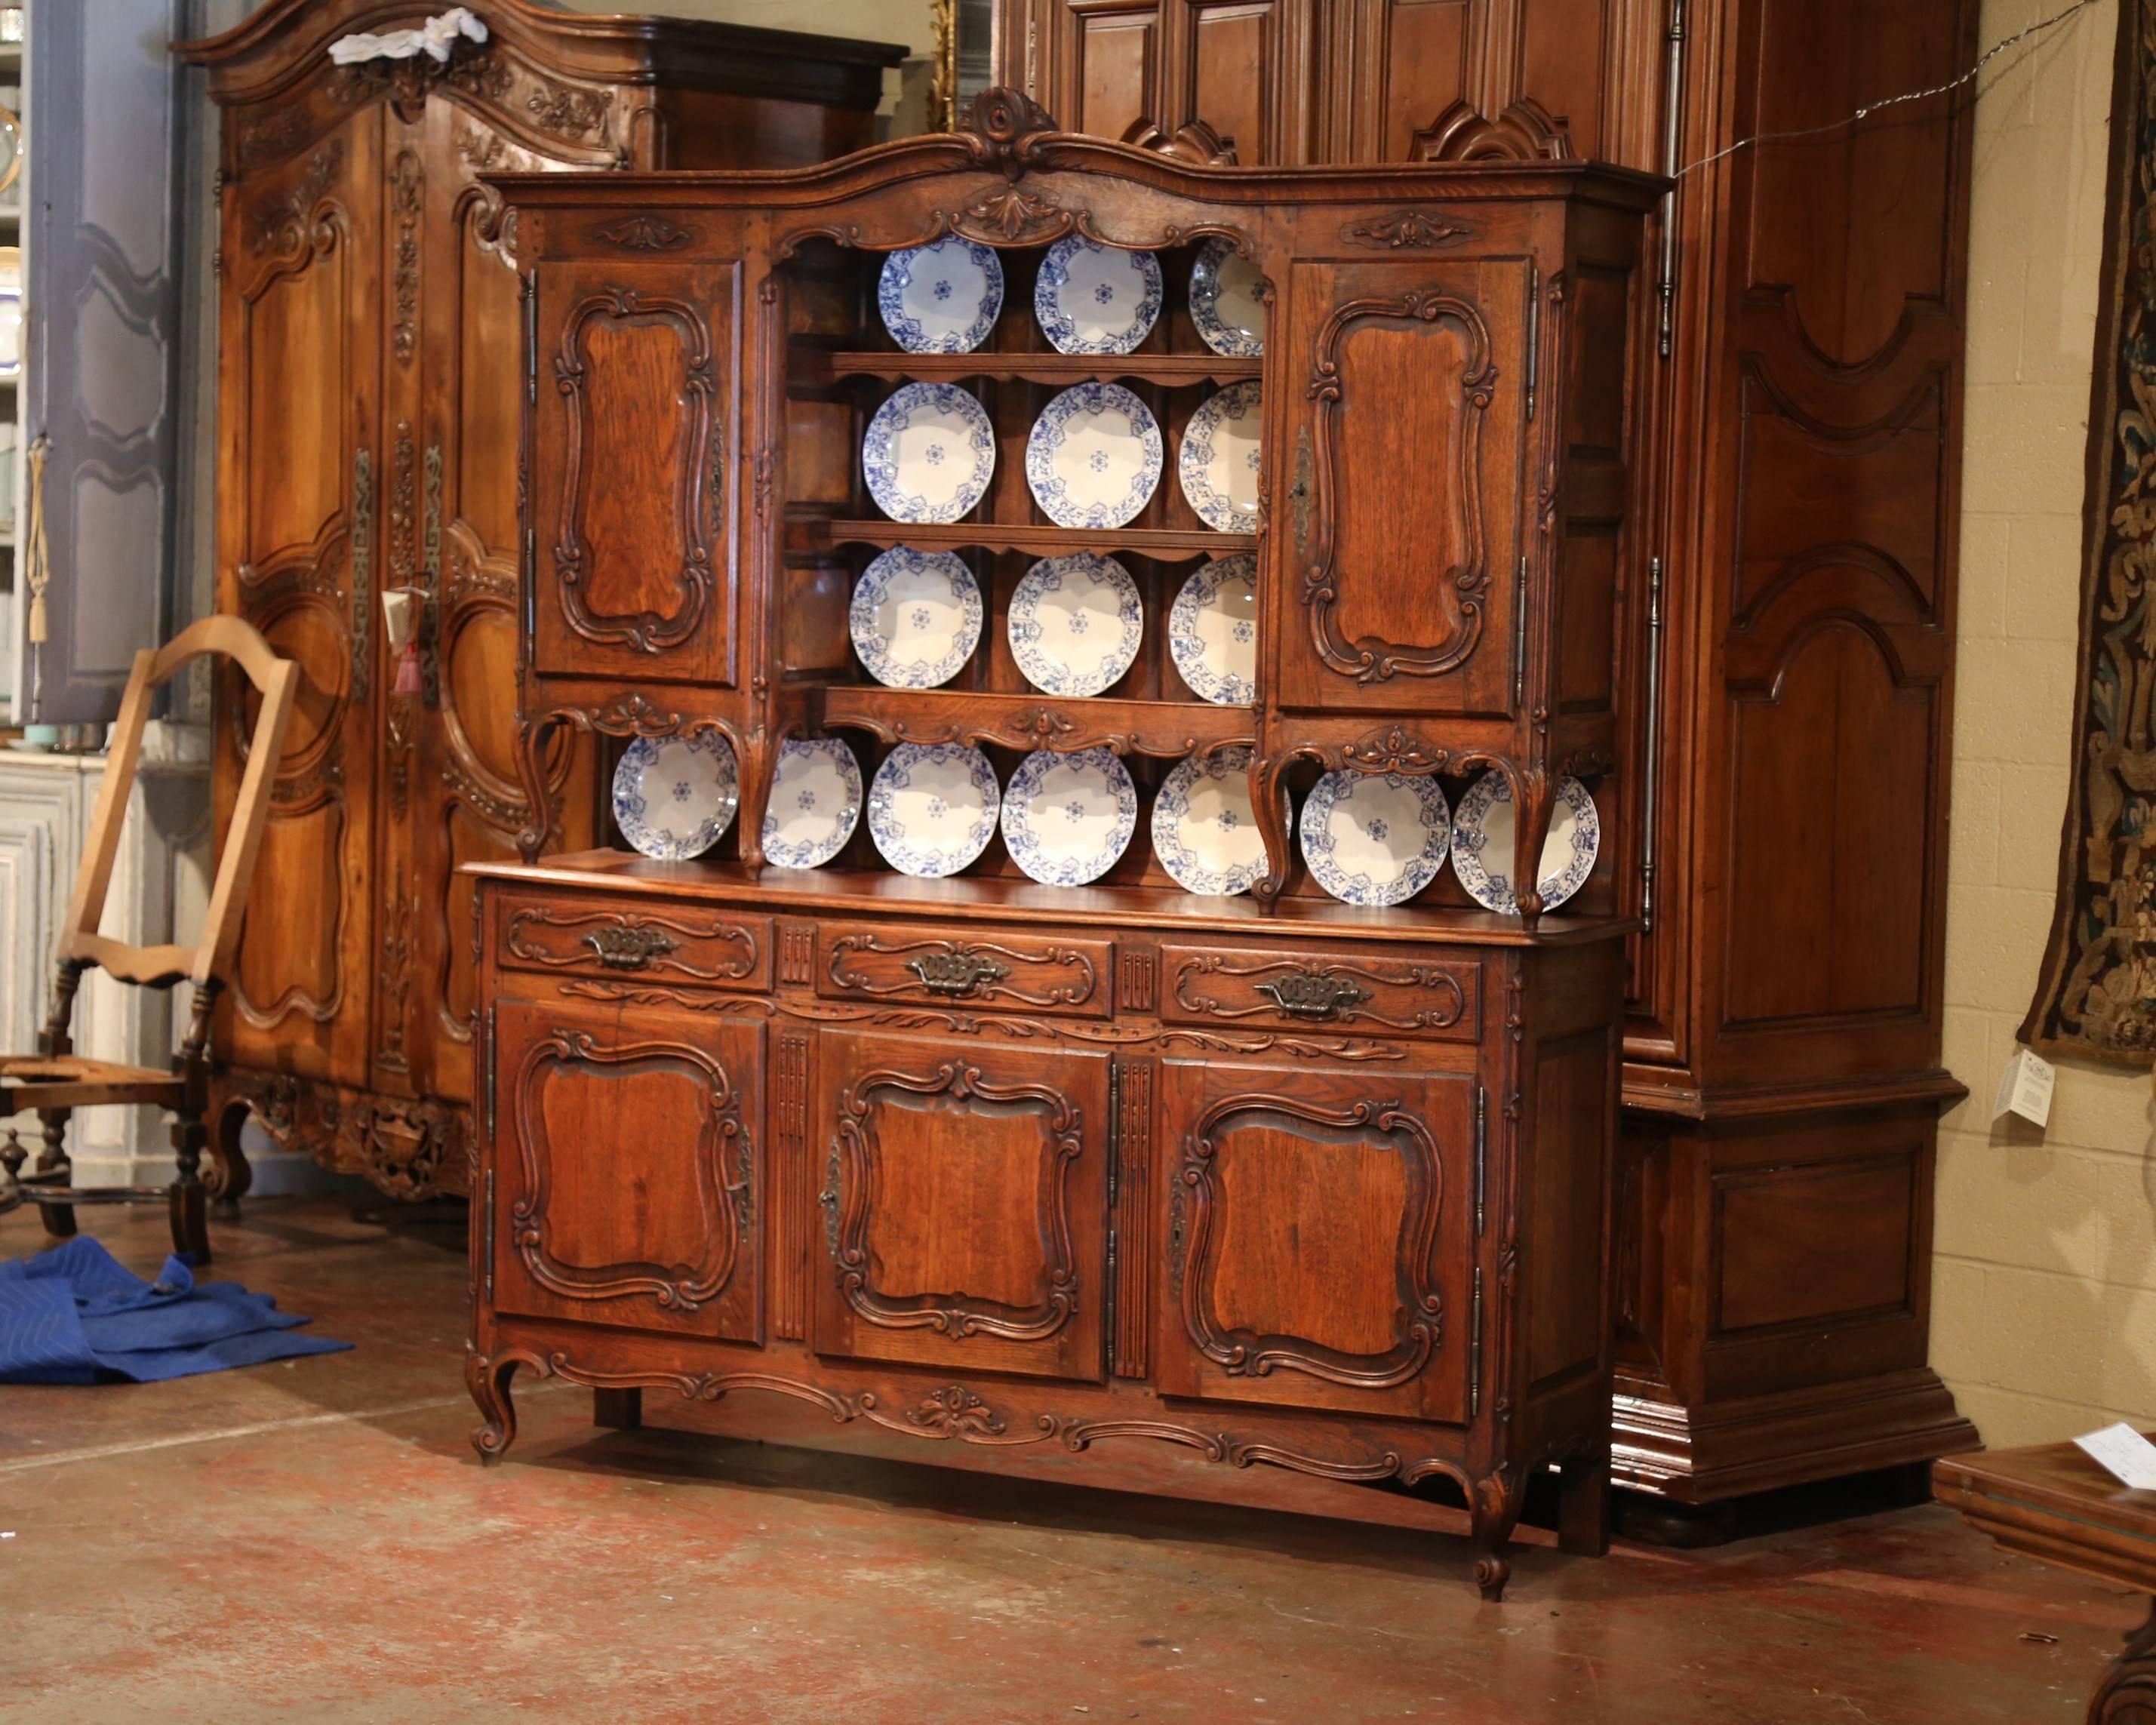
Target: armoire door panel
642, 365
1103, 71
1317, 1237
1400, 595
1855, 226
298, 547
1246, 68
660, 1233
965, 1205
1410, 61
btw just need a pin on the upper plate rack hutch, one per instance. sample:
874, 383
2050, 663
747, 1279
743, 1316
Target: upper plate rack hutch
1279, 1177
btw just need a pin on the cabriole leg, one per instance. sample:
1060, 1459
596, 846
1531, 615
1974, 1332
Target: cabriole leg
230, 1173
2127, 1695
1496, 1512
488, 1381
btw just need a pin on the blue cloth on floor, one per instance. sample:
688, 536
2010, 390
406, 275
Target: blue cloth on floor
73, 1315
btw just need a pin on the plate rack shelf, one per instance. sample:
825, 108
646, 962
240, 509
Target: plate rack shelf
1318, 1183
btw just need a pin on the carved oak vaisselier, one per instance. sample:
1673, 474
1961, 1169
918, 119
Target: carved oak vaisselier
1275, 1178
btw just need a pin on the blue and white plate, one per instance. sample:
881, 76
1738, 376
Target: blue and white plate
1092, 298
916, 617
929, 453
1225, 302
1219, 462
932, 808
675, 796
943, 297
1074, 623
1375, 839
1213, 631
1204, 830
815, 802
1094, 457
1067, 818
1482, 844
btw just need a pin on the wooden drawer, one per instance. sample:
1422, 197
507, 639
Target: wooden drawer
1216, 985
710, 949
1016, 972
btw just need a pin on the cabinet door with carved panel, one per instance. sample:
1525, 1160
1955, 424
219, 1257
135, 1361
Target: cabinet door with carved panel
1319, 1229
456, 739
1403, 534
641, 376
965, 1205
298, 501
658, 1234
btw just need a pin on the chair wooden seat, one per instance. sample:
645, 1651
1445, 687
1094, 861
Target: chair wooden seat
31, 1082
54, 1082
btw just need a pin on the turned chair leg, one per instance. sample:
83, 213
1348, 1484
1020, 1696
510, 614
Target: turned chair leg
53, 1159
189, 1198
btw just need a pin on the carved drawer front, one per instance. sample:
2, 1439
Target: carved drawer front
706, 949
1018, 972
1360, 991
1319, 1235
964, 1205
626, 1171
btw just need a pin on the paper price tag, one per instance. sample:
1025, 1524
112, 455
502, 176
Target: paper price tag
2124, 1453
2025, 1087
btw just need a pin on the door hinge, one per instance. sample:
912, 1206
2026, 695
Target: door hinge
1108, 1302
1534, 336
1115, 1124
1666, 285
532, 336
491, 1060
1520, 632
1482, 1151
1475, 1348
1650, 789
487, 1198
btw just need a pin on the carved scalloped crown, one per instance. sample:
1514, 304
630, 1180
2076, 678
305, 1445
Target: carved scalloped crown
1197, 143
1525, 132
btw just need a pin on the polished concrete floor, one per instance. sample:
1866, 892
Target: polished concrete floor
314, 1540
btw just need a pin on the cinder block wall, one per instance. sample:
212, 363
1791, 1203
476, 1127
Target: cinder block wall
2043, 1295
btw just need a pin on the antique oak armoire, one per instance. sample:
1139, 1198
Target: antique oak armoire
1798, 516
1276, 1178
370, 328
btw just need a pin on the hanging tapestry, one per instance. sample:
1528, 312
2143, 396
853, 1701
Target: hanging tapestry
2097, 995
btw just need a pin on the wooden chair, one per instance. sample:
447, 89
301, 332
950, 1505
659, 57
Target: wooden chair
55, 1082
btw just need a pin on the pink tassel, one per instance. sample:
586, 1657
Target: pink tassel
409, 680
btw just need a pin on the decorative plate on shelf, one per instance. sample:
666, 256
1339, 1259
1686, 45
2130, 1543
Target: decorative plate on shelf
1224, 302
1375, 839
1067, 818
11, 150
943, 297
675, 796
10, 311
916, 617
1074, 623
1482, 844
815, 802
1213, 631
932, 808
1094, 456
1204, 830
929, 453
1092, 298
1219, 461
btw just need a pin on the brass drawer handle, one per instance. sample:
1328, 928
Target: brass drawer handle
1315, 997
630, 948
956, 973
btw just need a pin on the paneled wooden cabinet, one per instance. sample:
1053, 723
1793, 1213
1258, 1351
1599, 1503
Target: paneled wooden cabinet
1789, 688
1281, 1177
1365, 1245
370, 317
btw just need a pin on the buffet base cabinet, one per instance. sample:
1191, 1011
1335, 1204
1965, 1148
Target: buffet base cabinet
952, 1158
